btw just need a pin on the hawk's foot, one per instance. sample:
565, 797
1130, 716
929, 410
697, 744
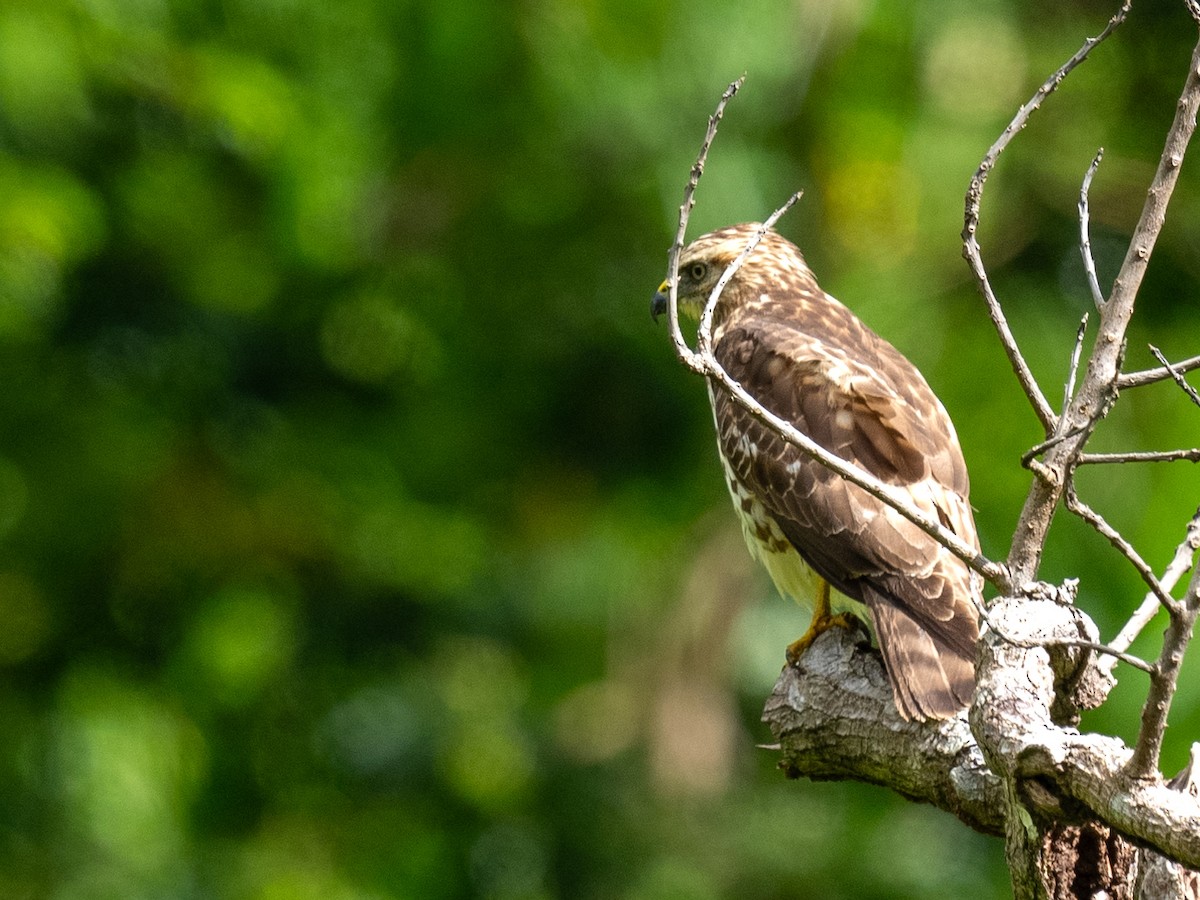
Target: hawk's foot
820, 623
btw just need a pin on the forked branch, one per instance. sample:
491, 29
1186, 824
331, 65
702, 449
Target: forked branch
1102, 374
1177, 376
1150, 376
1181, 562
686, 355
971, 249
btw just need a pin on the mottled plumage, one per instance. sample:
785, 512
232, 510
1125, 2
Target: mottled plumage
808, 359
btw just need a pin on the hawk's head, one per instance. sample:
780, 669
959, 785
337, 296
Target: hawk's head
705, 259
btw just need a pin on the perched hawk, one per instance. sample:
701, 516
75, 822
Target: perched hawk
808, 359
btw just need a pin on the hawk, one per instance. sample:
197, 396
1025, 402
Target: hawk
826, 542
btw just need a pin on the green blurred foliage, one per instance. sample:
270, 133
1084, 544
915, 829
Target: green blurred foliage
361, 536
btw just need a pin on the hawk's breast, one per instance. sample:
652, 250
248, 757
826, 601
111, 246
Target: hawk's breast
792, 575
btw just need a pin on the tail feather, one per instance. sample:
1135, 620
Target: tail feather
931, 677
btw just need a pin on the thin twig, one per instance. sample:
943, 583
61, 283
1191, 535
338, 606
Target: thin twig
1163, 682
1176, 375
685, 353
971, 222
1180, 562
1114, 654
1150, 376
1038, 449
1189, 455
1085, 240
704, 332
1069, 390
1114, 537
1029, 457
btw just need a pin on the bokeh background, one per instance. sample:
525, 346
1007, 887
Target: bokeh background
360, 536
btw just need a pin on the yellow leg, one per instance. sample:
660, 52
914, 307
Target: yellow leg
823, 619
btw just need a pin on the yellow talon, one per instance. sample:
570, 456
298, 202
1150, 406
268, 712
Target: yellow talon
823, 619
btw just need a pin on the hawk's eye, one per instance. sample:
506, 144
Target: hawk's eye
696, 271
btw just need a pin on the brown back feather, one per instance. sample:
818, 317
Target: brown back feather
809, 360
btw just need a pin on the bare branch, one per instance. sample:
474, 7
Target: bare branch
1165, 674
704, 333
1180, 562
1145, 234
1098, 391
1097, 521
1069, 390
1150, 376
1108, 650
1189, 455
685, 354
1111, 652
1144, 762
971, 222
1027, 458
1085, 240
1176, 375
1069, 587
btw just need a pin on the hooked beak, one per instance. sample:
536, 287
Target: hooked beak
658, 305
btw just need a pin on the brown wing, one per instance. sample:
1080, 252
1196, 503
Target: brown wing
874, 409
